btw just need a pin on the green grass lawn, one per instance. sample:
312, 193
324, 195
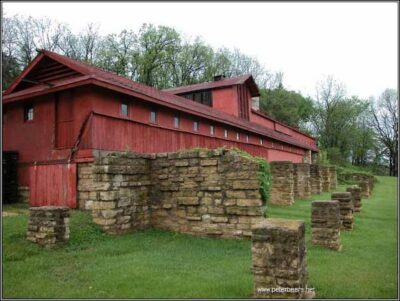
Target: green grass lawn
155, 264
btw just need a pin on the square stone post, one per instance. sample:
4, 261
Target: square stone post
315, 179
48, 225
333, 177
346, 209
326, 178
356, 196
325, 224
301, 177
365, 185
279, 259
282, 183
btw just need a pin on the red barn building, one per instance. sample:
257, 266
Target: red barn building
60, 112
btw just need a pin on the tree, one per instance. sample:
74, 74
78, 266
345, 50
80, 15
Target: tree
385, 124
117, 53
156, 48
334, 119
286, 106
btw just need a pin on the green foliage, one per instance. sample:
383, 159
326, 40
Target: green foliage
286, 106
344, 171
264, 174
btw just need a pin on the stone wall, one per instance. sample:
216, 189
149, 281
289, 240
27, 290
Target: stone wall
212, 192
346, 209
86, 189
201, 192
356, 197
301, 179
325, 224
282, 185
333, 177
48, 225
325, 178
315, 179
279, 259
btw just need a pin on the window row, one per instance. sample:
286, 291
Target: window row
177, 124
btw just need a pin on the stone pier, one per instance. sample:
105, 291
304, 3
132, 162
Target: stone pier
333, 177
325, 224
279, 259
356, 195
301, 178
326, 178
315, 179
48, 225
346, 209
365, 188
282, 185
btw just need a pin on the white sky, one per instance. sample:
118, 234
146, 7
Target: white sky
355, 42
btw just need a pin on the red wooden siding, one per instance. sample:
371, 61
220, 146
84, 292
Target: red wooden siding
53, 185
111, 133
64, 119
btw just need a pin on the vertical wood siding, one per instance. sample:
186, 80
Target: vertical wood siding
53, 185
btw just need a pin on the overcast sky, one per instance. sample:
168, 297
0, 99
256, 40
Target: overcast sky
355, 42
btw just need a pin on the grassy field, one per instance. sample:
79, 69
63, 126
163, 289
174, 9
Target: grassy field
155, 264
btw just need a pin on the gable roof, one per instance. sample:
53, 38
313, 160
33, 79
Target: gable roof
96, 76
238, 80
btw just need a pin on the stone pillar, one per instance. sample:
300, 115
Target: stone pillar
315, 179
23, 192
279, 258
301, 178
333, 177
282, 183
325, 224
326, 178
364, 185
48, 225
356, 196
346, 209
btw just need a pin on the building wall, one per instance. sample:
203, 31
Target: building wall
39, 140
226, 100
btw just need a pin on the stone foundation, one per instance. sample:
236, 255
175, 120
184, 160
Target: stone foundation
315, 179
199, 192
325, 224
279, 258
346, 209
356, 197
333, 177
282, 184
301, 178
325, 178
48, 225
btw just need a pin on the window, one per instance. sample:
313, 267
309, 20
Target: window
176, 121
124, 109
261, 141
225, 133
247, 138
196, 126
28, 112
237, 136
153, 116
212, 130
204, 97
